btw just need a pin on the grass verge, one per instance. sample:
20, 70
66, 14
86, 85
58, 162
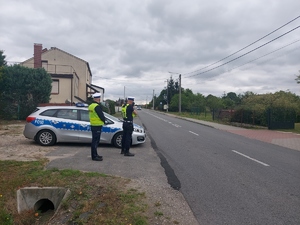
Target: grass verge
296, 130
208, 117
95, 198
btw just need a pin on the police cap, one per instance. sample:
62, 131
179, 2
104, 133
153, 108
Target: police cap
96, 95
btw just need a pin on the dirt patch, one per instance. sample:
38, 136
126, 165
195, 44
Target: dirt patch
14, 146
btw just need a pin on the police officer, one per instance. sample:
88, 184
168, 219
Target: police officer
97, 120
128, 114
123, 113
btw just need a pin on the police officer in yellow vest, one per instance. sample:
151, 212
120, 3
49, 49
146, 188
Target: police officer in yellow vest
97, 120
128, 113
123, 111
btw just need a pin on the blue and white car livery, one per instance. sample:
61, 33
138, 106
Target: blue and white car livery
51, 124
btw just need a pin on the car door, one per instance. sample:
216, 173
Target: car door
106, 134
85, 135
67, 125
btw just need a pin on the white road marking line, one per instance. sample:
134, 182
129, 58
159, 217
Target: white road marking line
193, 133
248, 157
175, 125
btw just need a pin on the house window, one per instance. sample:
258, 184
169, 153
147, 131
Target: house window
55, 87
45, 64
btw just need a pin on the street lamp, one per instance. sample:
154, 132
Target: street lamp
179, 104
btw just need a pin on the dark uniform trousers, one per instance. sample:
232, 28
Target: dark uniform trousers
127, 133
96, 134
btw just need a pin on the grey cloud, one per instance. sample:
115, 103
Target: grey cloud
137, 40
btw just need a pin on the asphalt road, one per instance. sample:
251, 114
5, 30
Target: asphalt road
224, 177
144, 170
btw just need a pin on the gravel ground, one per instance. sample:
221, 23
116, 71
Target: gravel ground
160, 196
14, 146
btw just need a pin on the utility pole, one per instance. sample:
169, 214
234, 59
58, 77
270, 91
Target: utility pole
167, 97
179, 93
153, 99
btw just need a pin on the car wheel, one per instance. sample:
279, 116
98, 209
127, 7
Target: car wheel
46, 138
117, 140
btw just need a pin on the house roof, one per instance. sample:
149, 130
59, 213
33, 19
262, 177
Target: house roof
54, 48
93, 86
97, 86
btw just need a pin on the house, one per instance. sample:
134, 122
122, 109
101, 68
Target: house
71, 76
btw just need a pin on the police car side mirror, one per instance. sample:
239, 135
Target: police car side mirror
107, 121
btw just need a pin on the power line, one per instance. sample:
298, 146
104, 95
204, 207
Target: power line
266, 55
226, 56
244, 53
244, 47
263, 55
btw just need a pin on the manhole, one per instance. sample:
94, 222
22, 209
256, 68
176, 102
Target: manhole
40, 199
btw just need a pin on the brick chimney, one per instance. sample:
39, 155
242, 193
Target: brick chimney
37, 55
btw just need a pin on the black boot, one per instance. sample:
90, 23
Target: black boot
128, 154
98, 158
122, 151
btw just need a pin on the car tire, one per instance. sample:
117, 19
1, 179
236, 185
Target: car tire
117, 140
46, 138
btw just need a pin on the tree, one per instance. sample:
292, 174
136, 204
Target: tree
159, 101
2, 59
230, 100
298, 78
199, 102
254, 106
156, 102
174, 104
22, 89
213, 102
2, 64
173, 88
170, 91
110, 105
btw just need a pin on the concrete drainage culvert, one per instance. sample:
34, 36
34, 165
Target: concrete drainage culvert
41, 199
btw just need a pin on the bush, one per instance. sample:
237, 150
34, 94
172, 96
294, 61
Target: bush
22, 89
250, 117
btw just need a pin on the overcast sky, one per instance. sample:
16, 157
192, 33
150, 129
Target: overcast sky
135, 43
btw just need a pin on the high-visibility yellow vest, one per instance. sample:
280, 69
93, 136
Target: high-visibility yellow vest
94, 118
124, 109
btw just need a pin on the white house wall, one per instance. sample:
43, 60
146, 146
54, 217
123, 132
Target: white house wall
64, 88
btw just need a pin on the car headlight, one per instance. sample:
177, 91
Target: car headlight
138, 130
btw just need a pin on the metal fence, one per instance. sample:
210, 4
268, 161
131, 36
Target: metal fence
273, 118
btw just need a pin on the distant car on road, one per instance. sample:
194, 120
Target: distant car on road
139, 107
51, 124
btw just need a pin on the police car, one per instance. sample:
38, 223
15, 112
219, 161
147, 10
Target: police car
51, 124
